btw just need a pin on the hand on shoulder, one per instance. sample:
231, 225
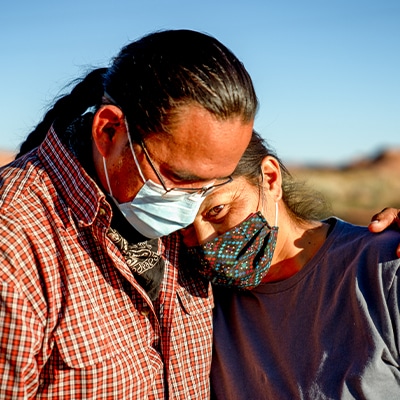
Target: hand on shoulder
384, 219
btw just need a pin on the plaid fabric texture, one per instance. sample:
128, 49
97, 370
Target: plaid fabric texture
74, 323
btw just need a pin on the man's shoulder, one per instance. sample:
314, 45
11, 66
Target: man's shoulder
18, 179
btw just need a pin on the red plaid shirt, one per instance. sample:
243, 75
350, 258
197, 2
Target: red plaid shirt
74, 323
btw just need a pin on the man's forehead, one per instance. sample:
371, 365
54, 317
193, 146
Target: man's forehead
187, 172
182, 163
198, 146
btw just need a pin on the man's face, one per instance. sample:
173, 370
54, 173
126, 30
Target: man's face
198, 149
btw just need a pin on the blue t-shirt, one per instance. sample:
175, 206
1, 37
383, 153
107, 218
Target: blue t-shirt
331, 331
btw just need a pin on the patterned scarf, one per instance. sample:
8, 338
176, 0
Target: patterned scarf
143, 260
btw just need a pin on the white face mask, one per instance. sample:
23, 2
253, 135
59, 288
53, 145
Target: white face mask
152, 212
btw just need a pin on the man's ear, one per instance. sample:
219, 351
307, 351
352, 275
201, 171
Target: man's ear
108, 124
272, 177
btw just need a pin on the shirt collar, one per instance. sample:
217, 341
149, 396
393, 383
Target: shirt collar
76, 187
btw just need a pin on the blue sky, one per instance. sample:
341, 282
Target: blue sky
327, 72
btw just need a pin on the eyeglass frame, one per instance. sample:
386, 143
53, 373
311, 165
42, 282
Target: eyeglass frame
203, 191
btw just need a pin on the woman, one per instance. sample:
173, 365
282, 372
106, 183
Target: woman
304, 312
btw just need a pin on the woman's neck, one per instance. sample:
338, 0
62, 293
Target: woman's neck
296, 246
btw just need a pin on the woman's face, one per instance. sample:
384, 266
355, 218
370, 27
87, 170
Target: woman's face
223, 209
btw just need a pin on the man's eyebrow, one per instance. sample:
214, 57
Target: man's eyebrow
184, 176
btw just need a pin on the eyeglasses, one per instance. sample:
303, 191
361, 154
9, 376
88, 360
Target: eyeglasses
202, 191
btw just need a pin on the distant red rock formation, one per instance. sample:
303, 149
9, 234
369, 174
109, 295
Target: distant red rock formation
382, 161
388, 159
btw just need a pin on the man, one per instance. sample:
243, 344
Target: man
93, 303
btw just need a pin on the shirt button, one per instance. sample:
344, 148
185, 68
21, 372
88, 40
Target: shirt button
145, 310
188, 297
102, 212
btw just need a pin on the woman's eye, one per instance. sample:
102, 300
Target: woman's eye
215, 211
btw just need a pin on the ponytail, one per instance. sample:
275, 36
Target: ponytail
88, 92
150, 79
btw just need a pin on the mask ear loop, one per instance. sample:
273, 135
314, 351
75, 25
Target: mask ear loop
276, 214
261, 192
106, 96
106, 174
262, 200
133, 152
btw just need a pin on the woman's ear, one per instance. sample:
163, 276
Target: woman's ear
272, 177
108, 128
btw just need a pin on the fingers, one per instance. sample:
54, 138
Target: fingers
384, 219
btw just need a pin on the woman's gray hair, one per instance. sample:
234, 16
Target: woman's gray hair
302, 202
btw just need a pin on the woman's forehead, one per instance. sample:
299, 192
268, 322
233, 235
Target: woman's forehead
234, 192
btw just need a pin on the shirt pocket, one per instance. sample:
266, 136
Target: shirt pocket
97, 337
195, 302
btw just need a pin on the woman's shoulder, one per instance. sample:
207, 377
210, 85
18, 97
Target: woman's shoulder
358, 242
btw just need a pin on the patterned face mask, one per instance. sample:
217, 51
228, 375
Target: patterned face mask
241, 257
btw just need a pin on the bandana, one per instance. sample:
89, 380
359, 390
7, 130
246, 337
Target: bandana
143, 260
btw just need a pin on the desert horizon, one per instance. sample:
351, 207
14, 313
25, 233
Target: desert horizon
355, 190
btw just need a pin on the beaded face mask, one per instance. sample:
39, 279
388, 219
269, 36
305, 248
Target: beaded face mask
239, 258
